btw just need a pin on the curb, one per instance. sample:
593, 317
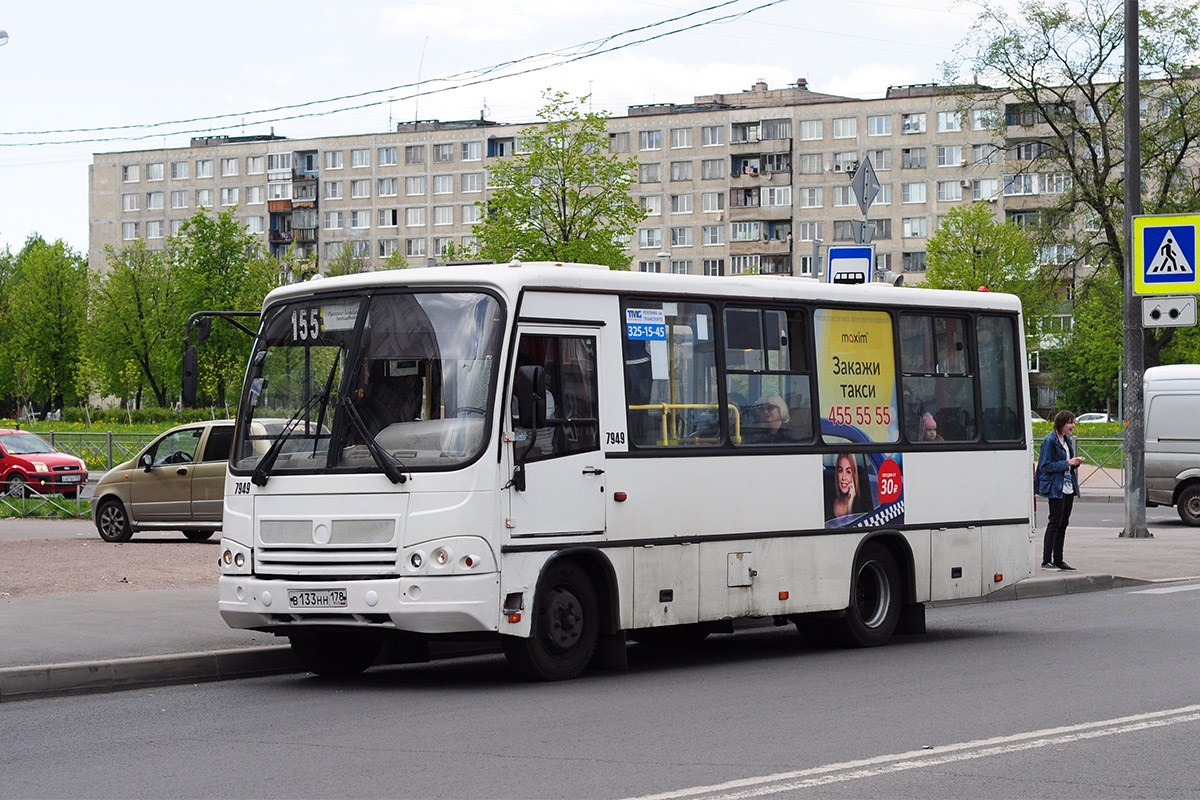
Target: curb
83, 677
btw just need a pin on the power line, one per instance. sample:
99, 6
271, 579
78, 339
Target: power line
562, 56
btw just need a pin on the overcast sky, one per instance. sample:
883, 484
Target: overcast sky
88, 65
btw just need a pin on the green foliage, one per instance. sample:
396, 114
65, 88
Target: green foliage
396, 260
972, 249
346, 263
1088, 366
47, 295
565, 197
136, 326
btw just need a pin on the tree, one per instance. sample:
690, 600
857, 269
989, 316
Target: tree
219, 266
1089, 363
46, 306
135, 319
972, 249
346, 262
8, 267
1064, 68
565, 197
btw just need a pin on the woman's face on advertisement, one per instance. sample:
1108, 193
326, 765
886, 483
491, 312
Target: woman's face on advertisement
845, 475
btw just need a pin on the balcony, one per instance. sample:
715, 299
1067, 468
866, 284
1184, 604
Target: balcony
305, 234
763, 247
761, 146
281, 237
279, 206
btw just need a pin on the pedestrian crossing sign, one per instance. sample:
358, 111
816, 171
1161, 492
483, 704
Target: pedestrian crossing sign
1164, 254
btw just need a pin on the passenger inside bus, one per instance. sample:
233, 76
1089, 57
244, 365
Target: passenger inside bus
770, 422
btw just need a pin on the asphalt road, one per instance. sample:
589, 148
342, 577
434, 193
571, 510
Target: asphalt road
1082, 695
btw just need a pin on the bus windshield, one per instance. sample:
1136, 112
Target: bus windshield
354, 382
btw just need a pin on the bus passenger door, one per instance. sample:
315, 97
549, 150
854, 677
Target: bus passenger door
563, 465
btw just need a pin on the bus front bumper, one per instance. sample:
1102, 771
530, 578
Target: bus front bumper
425, 604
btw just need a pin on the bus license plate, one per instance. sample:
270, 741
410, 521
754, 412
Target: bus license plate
320, 598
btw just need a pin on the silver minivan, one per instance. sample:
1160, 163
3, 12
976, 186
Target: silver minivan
1172, 401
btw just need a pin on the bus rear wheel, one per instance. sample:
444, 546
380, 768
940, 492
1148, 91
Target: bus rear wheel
335, 655
874, 608
566, 627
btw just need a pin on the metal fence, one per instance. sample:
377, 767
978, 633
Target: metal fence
1103, 460
101, 450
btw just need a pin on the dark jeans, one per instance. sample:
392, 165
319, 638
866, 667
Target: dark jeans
1056, 528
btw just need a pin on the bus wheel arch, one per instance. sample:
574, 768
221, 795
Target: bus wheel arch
880, 584
572, 607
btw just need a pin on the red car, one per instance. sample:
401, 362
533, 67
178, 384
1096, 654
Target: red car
29, 462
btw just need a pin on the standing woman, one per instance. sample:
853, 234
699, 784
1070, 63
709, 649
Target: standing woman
1057, 480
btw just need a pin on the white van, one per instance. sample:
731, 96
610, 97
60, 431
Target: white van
1172, 397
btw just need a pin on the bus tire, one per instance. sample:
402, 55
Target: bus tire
335, 655
874, 608
565, 630
1188, 505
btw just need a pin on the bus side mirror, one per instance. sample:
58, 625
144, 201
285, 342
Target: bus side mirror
531, 397
203, 328
188, 398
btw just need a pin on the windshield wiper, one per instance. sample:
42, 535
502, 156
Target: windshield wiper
263, 469
390, 466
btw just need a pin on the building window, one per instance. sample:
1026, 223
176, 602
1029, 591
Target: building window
154, 229
808, 163
1056, 183
681, 237
681, 137
845, 162
387, 156
255, 165
810, 130
254, 224
743, 132
229, 196
777, 196
776, 129
912, 123
912, 192
276, 162
649, 266
745, 231
389, 217
811, 197
652, 203
229, 167
361, 158
985, 188
470, 214
712, 201
884, 198
649, 140
279, 191
443, 184
843, 196
1020, 184
129, 230
129, 202
777, 162
744, 265
333, 220
618, 142
950, 156
682, 267
414, 217
472, 151
414, 247
843, 230
649, 173
387, 247
360, 248
204, 168
443, 153
388, 187
983, 119
949, 191
472, 182
179, 199
414, 185
810, 231
681, 170
712, 135
883, 228
913, 262
360, 188
845, 127
333, 190
712, 169
333, 159
179, 170
681, 204
914, 228
443, 215
713, 266
130, 173
881, 160
712, 234
949, 121
912, 158
333, 250
650, 237
154, 172
985, 154
360, 219
176, 226
879, 126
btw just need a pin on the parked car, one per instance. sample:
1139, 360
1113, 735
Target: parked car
28, 463
176, 483
1033, 417
1092, 417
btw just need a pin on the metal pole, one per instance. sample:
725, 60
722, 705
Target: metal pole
1134, 362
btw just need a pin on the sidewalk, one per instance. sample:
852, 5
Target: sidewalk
105, 641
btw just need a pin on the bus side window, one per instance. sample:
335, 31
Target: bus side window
572, 421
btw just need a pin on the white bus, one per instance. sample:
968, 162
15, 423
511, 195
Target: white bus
562, 456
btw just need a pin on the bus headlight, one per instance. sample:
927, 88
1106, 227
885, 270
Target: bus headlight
236, 559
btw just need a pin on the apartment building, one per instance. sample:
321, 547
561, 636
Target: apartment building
755, 181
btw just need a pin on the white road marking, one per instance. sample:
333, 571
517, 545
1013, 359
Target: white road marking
1169, 589
918, 759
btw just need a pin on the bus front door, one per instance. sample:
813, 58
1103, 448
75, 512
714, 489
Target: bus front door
563, 466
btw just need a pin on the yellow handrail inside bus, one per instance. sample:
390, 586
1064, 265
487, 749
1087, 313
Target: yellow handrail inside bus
670, 409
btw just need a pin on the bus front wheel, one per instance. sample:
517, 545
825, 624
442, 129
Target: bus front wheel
566, 627
874, 607
335, 655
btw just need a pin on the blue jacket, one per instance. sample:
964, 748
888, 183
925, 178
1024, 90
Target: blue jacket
1052, 467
